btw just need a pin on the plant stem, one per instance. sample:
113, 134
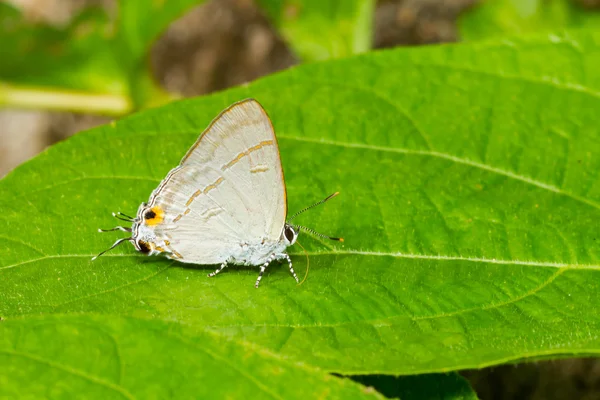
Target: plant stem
63, 100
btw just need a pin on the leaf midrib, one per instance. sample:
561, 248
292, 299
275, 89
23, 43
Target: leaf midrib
383, 321
546, 264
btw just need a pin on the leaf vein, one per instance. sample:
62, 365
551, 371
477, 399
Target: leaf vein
33, 260
450, 157
543, 82
382, 322
225, 360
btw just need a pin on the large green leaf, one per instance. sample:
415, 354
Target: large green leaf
323, 29
110, 357
494, 18
469, 203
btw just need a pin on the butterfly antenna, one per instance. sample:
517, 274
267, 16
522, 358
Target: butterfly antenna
331, 196
118, 242
123, 217
339, 239
307, 262
117, 228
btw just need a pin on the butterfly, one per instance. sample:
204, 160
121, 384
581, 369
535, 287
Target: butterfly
225, 203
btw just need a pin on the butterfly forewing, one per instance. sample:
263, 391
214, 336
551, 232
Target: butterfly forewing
227, 190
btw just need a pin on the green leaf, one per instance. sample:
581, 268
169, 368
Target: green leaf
428, 386
495, 18
134, 358
323, 29
469, 203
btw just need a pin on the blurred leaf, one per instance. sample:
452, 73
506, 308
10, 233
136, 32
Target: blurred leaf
140, 23
469, 203
420, 387
134, 358
512, 17
78, 56
323, 29
93, 64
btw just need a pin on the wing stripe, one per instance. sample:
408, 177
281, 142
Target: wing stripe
196, 194
211, 212
205, 191
259, 168
176, 254
247, 152
214, 185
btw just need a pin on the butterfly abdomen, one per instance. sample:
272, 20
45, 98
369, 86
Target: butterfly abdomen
256, 253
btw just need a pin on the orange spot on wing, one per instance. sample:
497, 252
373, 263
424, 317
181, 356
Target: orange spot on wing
157, 218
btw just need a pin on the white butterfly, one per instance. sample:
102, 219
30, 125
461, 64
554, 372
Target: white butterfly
226, 200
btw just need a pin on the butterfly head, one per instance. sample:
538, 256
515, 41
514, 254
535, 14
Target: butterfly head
143, 233
143, 236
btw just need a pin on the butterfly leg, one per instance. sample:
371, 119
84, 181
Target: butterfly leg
262, 269
218, 270
289, 260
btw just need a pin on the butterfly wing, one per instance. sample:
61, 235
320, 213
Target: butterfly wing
227, 190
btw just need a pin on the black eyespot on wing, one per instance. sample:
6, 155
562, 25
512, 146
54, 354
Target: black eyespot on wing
144, 247
149, 214
289, 233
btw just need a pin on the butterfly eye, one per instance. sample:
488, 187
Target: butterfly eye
290, 234
143, 247
149, 214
